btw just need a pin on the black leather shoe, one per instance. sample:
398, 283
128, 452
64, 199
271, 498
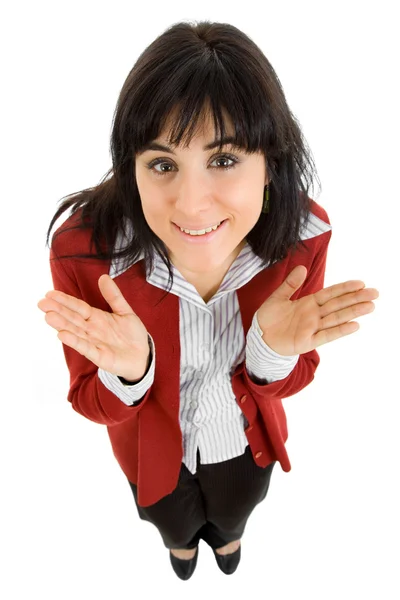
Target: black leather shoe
228, 563
184, 568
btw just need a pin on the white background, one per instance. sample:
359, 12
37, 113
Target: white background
328, 529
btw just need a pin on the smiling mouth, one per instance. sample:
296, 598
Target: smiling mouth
200, 231
200, 238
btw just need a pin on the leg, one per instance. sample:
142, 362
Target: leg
178, 516
231, 490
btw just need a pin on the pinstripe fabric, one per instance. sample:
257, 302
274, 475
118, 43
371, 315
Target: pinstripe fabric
213, 504
212, 345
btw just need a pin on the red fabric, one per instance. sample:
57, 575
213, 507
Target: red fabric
146, 440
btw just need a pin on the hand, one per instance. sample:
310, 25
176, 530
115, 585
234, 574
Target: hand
116, 342
299, 326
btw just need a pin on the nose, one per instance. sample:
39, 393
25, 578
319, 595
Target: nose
193, 195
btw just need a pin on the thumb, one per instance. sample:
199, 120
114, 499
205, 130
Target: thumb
113, 296
291, 284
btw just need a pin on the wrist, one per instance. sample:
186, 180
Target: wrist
135, 379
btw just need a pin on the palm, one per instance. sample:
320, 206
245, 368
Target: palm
111, 338
299, 326
291, 325
116, 342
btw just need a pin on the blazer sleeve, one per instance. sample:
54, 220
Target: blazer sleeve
87, 393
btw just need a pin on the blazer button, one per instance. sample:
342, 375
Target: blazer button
243, 399
258, 454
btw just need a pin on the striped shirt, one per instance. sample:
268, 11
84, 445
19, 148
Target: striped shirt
212, 345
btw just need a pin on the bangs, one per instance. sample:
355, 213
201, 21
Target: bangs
200, 87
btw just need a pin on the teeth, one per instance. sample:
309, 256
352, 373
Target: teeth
201, 231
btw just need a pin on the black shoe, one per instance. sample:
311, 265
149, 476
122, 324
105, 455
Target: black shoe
228, 563
184, 568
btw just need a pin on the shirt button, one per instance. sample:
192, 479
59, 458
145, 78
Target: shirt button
194, 404
243, 399
199, 374
258, 454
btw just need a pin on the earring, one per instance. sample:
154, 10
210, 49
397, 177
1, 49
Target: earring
265, 208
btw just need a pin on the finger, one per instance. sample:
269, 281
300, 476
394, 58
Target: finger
334, 333
347, 314
336, 304
58, 322
88, 333
75, 304
113, 296
90, 351
51, 305
292, 283
339, 289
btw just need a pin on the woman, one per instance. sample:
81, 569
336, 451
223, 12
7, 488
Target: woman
189, 286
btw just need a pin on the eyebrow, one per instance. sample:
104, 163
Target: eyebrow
163, 148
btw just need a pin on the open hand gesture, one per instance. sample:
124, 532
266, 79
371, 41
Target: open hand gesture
116, 342
299, 326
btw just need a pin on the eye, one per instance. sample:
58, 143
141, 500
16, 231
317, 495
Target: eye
224, 158
165, 167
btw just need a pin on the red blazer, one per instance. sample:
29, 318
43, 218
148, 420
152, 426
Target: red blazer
147, 440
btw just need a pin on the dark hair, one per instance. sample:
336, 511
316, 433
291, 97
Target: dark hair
188, 67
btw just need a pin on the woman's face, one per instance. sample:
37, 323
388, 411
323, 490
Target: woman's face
197, 187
